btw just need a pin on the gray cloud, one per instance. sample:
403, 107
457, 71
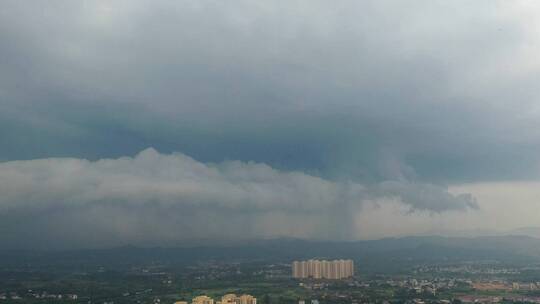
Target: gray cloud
336, 90
344, 102
430, 197
163, 198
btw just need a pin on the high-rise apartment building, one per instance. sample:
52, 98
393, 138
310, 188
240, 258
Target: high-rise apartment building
202, 300
231, 298
317, 269
247, 299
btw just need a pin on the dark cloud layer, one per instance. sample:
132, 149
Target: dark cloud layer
336, 89
398, 99
156, 198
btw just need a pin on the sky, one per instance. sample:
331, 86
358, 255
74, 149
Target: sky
156, 123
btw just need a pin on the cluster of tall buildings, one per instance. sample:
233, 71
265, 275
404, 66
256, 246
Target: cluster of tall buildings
317, 269
230, 298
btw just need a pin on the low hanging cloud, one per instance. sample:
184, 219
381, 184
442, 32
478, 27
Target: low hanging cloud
429, 197
166, 198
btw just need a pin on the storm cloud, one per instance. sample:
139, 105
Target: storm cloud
155, 198
280, 112
337, 89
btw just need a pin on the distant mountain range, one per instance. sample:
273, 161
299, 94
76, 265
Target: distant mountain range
523, 231
389, 254
528, 231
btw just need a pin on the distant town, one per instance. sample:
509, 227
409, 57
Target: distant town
243, 275
314, 281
